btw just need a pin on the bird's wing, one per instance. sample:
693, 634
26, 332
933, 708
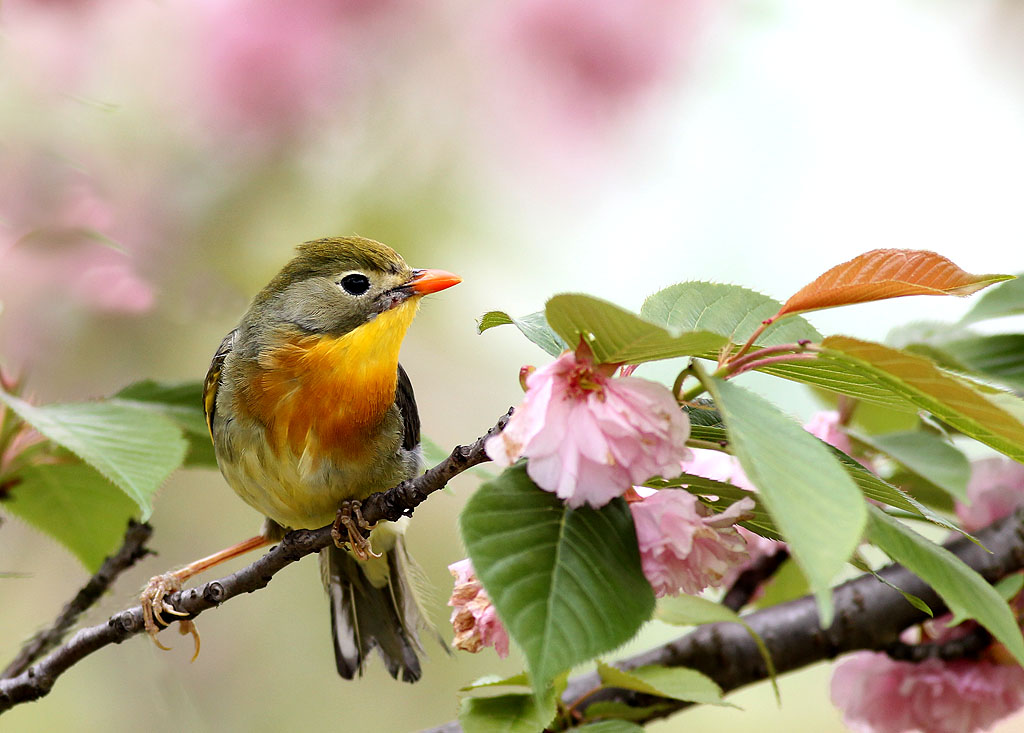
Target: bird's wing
212, 381
406, 401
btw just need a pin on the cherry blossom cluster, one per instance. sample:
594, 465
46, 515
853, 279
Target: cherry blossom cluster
589, 436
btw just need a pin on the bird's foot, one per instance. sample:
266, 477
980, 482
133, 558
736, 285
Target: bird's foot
350, 516
155, 605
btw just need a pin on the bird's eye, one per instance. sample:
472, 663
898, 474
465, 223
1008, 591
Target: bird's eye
355, 284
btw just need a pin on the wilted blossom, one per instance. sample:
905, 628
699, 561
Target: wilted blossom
684, 546
880, 695
474, 619
995, 490
589, 436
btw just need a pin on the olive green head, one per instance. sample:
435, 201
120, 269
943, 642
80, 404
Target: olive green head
337, 284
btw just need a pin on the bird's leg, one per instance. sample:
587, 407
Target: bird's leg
354, 528
153, 598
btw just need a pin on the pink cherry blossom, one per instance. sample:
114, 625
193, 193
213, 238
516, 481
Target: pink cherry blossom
684, 546
474, 620
996, 489
880, 695
589, 436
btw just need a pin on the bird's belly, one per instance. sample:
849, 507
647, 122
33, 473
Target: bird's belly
297, 494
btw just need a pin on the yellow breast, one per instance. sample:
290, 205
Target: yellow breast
330, 393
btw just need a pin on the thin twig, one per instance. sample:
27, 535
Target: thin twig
38, 680
132, 550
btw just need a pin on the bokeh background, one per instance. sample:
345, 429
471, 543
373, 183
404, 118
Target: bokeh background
159, 160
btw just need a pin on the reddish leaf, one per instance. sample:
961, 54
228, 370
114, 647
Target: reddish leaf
887, 273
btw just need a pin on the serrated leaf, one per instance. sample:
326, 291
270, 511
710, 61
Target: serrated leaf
505, 714
534, 326
567, 583
921, 383
617, 335
1006, 299
687, 610
182, 402
929, 456
813, 501
677, 683
730, 311
964, 590
75, 505
886, 273
133, 447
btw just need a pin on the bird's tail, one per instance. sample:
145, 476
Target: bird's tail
374, 605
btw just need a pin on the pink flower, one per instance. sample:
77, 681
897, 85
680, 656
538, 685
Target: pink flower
996, 489
880, 695
684, 546
589, 436
474, 620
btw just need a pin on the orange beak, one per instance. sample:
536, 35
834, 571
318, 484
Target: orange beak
423, 282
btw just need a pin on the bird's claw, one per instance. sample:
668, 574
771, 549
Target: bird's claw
354, 527
155, 605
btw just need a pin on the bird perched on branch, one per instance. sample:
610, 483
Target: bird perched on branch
310, 412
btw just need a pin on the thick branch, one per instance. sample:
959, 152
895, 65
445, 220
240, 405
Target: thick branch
37, 680
132, 550
869, 615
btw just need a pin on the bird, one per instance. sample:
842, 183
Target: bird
310, 411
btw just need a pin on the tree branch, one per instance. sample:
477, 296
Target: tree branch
132, 550
868, 615
36, 681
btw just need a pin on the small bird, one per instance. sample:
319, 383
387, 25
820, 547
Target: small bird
309, 411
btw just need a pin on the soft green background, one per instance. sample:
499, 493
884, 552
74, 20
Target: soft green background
784, 137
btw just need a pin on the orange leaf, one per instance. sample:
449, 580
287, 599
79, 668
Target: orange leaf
887, 273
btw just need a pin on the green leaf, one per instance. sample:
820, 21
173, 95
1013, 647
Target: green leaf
727, 310
929, 456
1010, 586
620, 713
687, 610
133, 447
534, 326
182, 402
814, 502
923, 385
870, 485
882, 491
567, 583
612, 726
677, 683
1000, 356
1006, 299
75, 505
964, 591
494, 680
787, 584
617, 335
506, 714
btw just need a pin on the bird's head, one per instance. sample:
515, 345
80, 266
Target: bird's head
335, 285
